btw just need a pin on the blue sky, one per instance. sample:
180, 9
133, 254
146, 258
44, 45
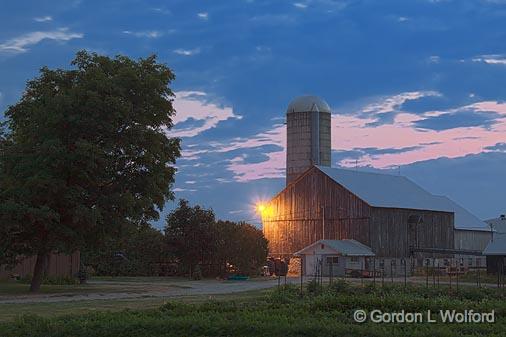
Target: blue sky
417, 84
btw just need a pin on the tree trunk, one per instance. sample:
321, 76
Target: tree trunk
38, 272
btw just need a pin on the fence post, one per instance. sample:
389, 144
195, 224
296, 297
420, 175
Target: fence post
301, 275
438, 272
427, 262
392, 270
433, 272
458, 271
450, 273
403, 261
383, 272
374, 271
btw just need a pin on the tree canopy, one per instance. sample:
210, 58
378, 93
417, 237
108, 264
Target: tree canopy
86, 151
196, 238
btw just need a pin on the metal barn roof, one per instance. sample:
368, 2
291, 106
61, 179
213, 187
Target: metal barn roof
496, 247
390, 191
498, 224
344, 247
463, 218
384, 190
308, 103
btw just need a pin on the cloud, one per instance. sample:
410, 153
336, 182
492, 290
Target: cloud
393, 103
195, 105
161, 10
43, 18
187, 52
203, 15
499, 147
150, 34
458, 119
300, 5
359, 139
491, 59
20, 44
178, 189
434, 59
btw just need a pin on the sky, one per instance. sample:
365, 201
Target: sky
416, 87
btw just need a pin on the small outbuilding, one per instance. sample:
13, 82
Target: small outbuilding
496, 248
335, 257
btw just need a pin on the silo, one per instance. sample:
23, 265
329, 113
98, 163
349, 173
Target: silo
308, 135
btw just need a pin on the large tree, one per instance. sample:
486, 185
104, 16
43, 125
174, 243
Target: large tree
86, 152
195, 237
135, 251
190, 235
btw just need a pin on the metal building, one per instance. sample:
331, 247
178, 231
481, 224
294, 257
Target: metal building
308, 135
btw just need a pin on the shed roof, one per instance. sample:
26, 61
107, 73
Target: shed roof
496, 247
390, 191
344, 247
498, 224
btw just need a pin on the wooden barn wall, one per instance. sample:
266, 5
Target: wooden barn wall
471, 240
389, 231
293, 219
59, 265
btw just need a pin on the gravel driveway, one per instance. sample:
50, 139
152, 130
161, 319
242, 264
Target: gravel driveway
131, 290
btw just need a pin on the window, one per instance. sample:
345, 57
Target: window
354, 259
470, 261
332, 260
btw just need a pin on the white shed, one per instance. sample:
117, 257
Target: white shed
336, 256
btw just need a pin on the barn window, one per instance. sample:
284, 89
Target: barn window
332, 260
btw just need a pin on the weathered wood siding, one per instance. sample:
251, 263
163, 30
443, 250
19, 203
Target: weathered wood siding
472, 240
390, 228
293, 220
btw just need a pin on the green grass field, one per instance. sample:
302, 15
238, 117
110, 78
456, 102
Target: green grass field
324, 311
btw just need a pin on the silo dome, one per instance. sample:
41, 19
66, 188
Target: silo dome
308, 135
308, 103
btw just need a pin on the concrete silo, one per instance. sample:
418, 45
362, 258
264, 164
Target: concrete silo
308, 135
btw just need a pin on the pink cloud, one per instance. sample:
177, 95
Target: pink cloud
353, 132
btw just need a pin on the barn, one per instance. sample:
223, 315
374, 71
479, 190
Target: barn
390, 214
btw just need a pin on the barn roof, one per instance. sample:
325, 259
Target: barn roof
390, 191
344, 247
464, 219
496, 247
385, 190
498, 224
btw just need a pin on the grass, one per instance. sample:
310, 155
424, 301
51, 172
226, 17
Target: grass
17, 288
10, 312
96, 285
324, 311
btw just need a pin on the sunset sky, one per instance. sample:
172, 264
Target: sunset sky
416, 84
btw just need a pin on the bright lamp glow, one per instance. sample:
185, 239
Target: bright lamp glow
261, 208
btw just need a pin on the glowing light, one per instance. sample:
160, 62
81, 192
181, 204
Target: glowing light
261, 208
